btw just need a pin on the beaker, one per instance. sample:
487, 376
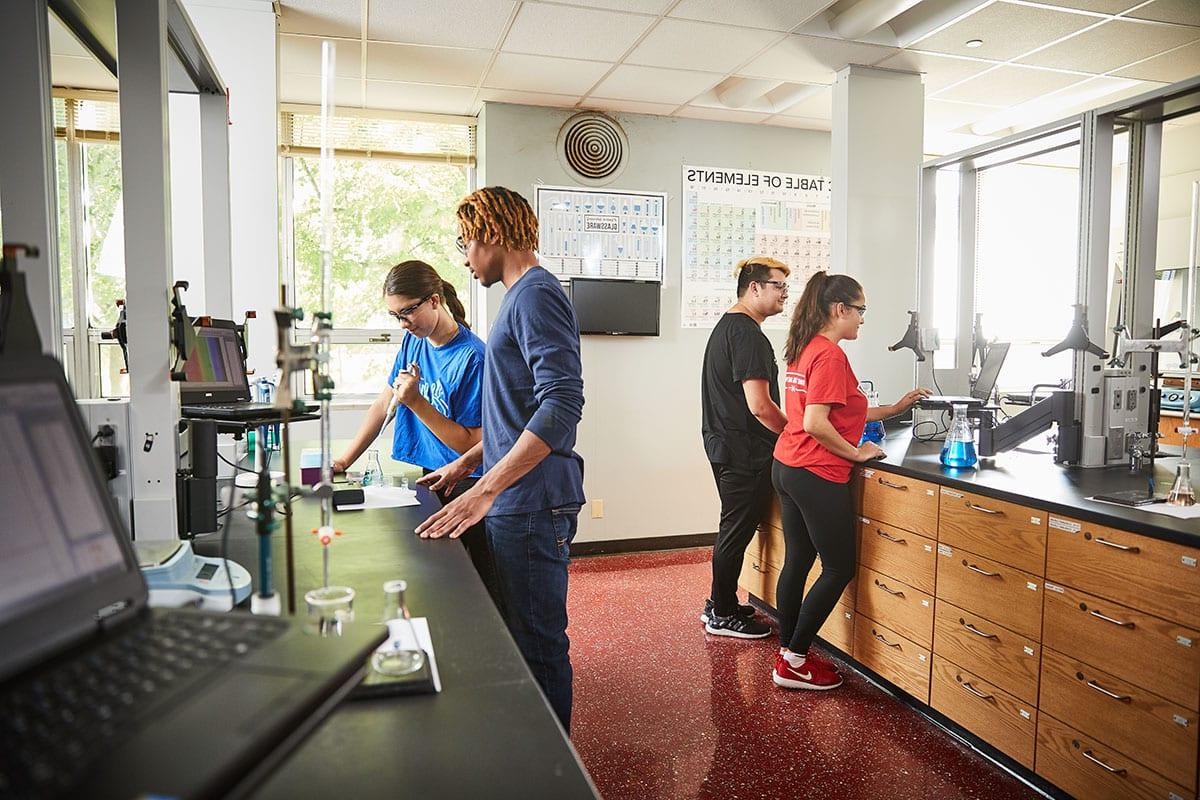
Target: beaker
959, 448
373, 476
873, 432
329, 608
1181, 493
401, 655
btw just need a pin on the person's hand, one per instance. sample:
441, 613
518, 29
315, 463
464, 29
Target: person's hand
339, 466
446, 478
868, 451
456, 517
407, 387
910, 399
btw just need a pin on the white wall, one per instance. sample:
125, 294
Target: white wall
640, 435
187, 218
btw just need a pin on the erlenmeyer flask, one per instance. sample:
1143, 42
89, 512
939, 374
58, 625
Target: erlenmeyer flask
402, 654
1181, 493
959, 448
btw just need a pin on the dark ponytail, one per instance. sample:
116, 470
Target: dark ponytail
821, 293
416, 279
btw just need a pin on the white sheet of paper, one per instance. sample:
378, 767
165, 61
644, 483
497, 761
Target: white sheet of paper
420, 626
1179, 512
384, 497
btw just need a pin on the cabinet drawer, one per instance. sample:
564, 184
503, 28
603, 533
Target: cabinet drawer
996, 654
1136, 723
907, 557
1148, 651
773, 519
759, 578
1003, 721
838, 630
896, 605
847, 597
904, 502
767, 545
1004, 532
1158, 577
1085, 768
895, 658
1003, 594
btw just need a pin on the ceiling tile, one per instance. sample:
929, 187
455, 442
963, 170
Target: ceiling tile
938, 71
422, 64
1184, 12
775, 15
1111, 45
655, 7
529, 98
1009, 86
819, 106
1099, 6
450, 23
943, 115
1007, 31
942, 144
806, 123
570, 32
80, 73
655, 85
812, 59
321, 17
299, 88
720, 114
419, 97
544, 74
303, 54
629, 106
759, 105
684, 44
1176, 65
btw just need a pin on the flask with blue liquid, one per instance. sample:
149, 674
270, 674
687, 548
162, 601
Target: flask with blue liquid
959, 448
873, 432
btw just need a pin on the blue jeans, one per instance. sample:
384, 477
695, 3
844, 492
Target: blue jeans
531, 553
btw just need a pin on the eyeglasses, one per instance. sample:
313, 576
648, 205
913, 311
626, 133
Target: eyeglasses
862, 310
404, 314
780, 285
461, 244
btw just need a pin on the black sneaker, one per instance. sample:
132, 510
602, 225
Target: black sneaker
743, 610
737, 626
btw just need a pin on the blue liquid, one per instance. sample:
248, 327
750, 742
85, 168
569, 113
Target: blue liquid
872, 433
959, 454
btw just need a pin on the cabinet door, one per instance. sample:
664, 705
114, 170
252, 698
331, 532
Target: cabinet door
904, 502
1003, 594
896, 605
838, 630
908, 557
1007, 723
995, 529
992, 652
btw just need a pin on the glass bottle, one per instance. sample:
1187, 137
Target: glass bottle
373, 476
401, 654
1181, 493
873, 432
959, 448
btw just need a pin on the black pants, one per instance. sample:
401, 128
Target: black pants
476, 542
818, 518
744, 493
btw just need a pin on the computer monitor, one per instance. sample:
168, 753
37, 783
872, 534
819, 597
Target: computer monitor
989, 370
215, 370
616, 307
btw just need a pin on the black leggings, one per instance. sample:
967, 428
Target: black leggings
818, 518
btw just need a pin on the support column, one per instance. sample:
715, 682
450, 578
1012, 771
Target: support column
877, 149
214, 177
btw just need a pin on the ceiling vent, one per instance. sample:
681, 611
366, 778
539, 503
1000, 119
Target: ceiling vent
593, 147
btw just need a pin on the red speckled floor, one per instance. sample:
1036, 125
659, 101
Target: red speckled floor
662, 710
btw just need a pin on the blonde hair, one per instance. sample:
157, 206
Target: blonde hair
495, 215
756, 268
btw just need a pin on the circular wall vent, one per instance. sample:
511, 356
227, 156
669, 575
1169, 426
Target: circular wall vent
593, 147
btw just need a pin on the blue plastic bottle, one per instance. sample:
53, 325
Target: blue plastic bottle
873, 432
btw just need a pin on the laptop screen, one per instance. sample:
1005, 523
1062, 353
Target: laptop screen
57, 534
214, 367
989, 370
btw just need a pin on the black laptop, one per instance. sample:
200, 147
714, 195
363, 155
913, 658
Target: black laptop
216, 385
101, 696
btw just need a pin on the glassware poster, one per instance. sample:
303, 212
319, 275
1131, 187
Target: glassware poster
601, 234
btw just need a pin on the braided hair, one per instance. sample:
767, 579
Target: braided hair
496, 215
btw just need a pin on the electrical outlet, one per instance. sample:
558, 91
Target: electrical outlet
597, 509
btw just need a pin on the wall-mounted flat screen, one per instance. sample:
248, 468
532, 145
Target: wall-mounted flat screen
616, 307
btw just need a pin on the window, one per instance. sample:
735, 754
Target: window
395, 185
945, 267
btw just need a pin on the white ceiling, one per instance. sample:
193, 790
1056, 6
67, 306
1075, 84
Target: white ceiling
1039, 60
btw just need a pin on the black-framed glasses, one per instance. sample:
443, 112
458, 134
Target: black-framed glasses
862, 310
780, 285
461, 244
404, 314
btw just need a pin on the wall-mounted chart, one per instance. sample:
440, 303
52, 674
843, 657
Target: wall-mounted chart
601, 234
731, 214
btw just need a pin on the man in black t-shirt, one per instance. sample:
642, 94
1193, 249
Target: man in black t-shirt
741, 420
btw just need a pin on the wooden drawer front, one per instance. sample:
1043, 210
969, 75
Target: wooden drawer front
904, 502
856, 490
907, 557
1158, 577
773, 519
759, 579
1151, 652
838, 630
1007, 723
1005, 595
1004, 532
847, 597
897, 659
1085, 768
767, 545
896, 605
1134, 722
996, 654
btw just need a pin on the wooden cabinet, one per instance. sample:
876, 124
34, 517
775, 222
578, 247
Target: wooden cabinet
1003, 594
1006, 532
759, 578
902, 608
899, 660
908, 557
1003, 658
1004, 721
903, 502
838, 630
847, 597
767, 545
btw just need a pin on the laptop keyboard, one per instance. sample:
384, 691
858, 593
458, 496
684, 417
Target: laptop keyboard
55, 723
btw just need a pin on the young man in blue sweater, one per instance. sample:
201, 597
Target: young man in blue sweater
532, 487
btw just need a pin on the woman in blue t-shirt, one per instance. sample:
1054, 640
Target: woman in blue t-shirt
437, 380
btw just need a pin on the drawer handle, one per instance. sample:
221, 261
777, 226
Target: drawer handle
978, 632
1098, 615
885, 641
891, 485
981, 509
884, 586
1088, 755
891, 538
974, 568
982, 696
1124, 698
1125, 547
755, 567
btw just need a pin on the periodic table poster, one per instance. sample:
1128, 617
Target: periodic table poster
601, 234
731, 214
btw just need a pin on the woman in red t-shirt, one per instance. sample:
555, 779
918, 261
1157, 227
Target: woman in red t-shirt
826, 414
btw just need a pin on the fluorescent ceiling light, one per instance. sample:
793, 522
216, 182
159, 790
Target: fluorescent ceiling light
867, 15
786, 95
736, 92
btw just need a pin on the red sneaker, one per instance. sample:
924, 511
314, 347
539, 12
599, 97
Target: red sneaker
813, 657
806, 676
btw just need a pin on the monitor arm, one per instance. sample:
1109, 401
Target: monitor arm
1058, 408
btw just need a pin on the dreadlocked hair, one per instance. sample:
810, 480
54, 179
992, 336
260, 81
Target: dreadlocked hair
495, 215
822, 292
416, 279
